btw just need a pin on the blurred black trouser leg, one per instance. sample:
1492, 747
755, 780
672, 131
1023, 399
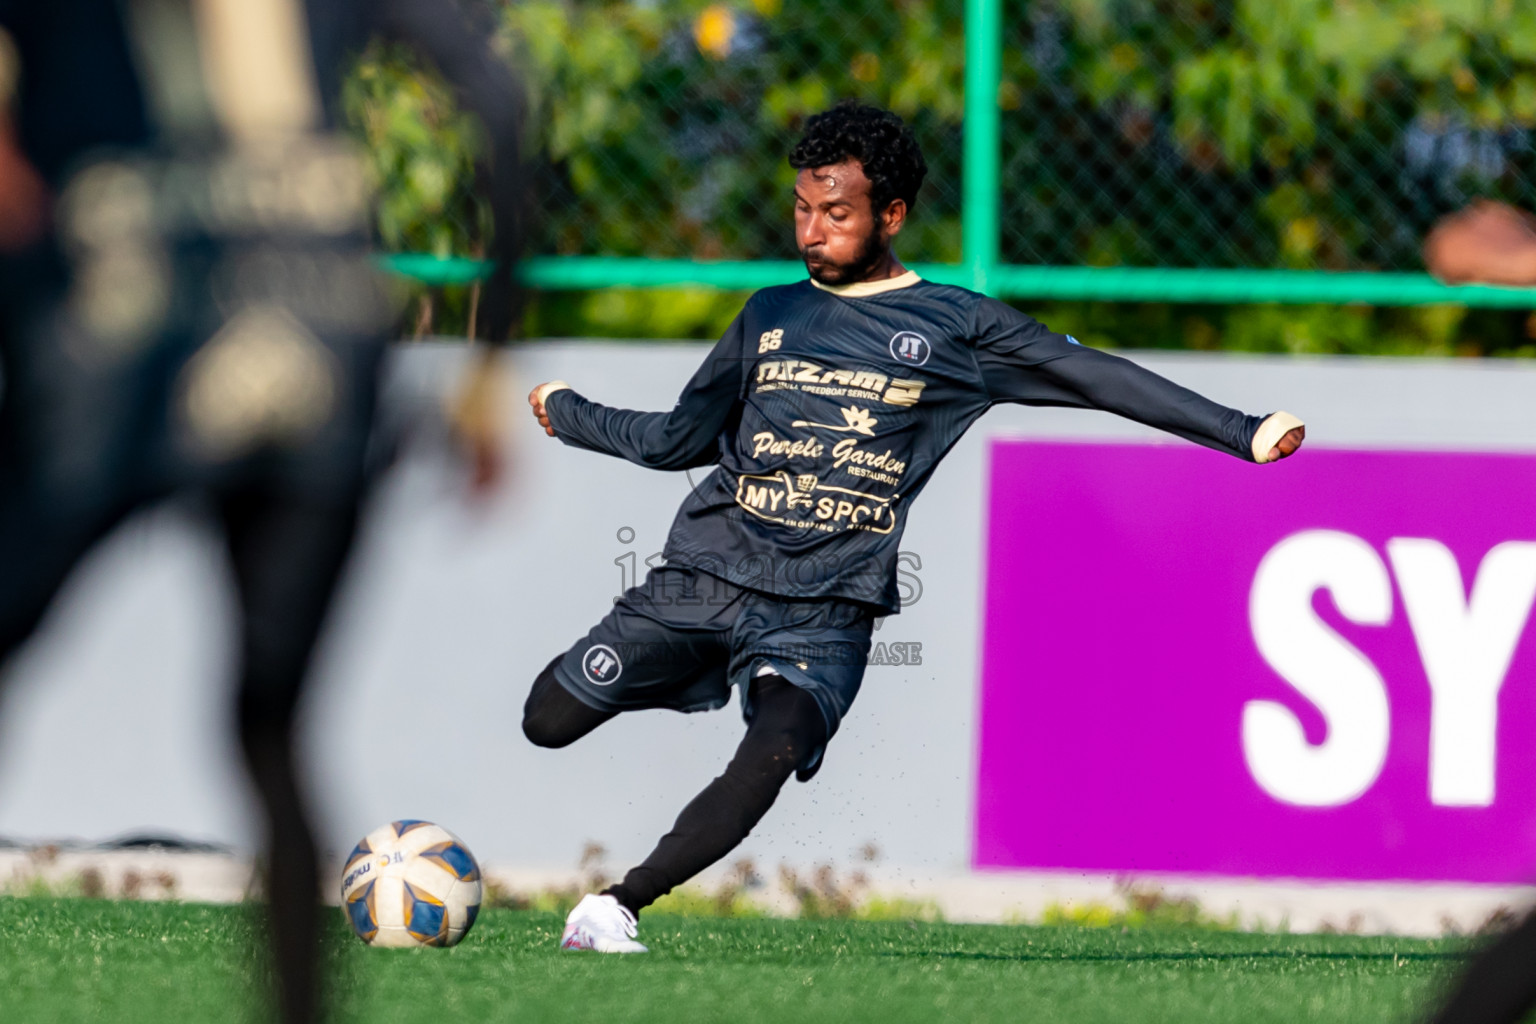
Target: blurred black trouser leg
29, 588
38, 552
1499, 987
287, 553
67, 444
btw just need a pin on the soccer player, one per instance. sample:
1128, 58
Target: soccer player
826, 408
204, 318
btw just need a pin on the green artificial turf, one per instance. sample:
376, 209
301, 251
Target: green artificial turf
86, 960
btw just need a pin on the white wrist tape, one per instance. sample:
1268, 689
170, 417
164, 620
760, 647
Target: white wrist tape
1274, 427
545, 390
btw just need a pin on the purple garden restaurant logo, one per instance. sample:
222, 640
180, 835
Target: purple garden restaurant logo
1320, 669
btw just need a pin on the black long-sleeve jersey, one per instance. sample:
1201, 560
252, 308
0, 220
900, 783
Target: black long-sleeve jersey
828, 409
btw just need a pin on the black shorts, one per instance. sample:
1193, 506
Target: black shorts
681, 639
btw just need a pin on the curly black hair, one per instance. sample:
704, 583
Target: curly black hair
877, 139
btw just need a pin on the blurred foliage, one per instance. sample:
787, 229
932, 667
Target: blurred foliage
1222, 133
1294, 330
1304, 134
684, 313
693, 901
1142, 906
665, 125
422, 151
1301, 330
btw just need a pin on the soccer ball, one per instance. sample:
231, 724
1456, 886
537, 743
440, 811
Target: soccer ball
411, 883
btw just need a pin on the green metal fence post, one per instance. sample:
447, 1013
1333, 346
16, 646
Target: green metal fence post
979, 198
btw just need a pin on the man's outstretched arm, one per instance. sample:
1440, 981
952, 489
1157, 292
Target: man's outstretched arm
1025, 362
687, 436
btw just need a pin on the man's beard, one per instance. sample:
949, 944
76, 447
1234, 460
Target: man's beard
868, 257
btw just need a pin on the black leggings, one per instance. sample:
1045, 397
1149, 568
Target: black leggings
786, 727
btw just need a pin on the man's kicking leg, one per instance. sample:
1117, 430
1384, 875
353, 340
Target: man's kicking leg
786, 727
553, 717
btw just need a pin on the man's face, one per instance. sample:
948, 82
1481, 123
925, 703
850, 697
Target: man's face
836, 229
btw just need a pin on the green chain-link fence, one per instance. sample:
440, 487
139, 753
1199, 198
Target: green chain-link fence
1210, 150
1262, 133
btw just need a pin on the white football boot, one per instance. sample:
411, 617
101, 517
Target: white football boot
601, 924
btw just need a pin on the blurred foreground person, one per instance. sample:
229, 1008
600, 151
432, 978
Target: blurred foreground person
195, 310
1499, 986
825, 408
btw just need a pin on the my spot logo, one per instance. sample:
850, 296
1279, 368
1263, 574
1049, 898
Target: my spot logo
601, 665
910, 348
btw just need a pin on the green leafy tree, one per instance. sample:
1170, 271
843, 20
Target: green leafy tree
1308, 133
1223, 133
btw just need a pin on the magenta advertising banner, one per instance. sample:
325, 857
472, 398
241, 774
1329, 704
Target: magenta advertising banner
1318, 669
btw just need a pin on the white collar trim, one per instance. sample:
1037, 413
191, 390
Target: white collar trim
864, 289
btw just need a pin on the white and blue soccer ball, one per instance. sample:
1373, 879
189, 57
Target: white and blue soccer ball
411, 883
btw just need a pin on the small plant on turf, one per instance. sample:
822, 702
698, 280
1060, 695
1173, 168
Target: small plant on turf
41, 876
1142, 906
555, 899
730, 899
897, 908
1353, 925
1501, 920
823, 896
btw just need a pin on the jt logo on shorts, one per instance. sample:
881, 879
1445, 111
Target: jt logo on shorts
601, 665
